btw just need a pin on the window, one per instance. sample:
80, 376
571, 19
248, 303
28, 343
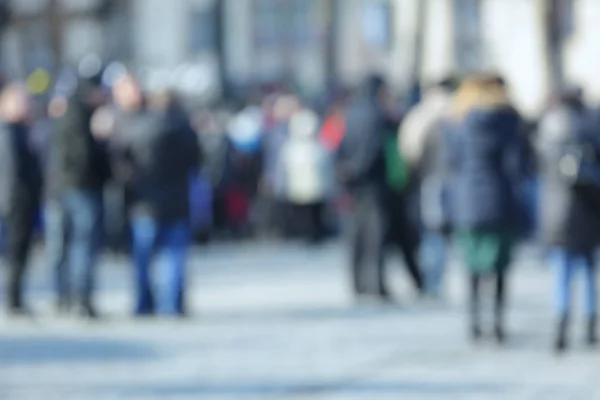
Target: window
377, 24
203, 30
279, 23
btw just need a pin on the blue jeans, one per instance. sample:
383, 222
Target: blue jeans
434, 250
566, 264
55, 223
172, 240
83, 212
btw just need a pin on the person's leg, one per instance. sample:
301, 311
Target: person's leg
145, 232
19, 228
55, 237
374, 239
562, 264
500, 304
433, 256
591, 298
317, 226
175, 241
357, 231
403, 234
475, 305
85, 213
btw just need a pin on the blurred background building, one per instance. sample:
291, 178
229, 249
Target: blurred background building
210, 47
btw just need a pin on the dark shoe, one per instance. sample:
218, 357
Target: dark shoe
561, 338
500, 334
476, 333
592, 331
87, 311
63, 307
19, 312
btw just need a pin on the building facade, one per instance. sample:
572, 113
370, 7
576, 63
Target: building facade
204, 46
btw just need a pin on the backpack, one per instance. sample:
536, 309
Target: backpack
579, 166
396, 168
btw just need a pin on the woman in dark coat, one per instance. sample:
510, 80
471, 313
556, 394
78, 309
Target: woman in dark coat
484, 159
569, 216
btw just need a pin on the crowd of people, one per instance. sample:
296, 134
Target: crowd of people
469, 155
140, 172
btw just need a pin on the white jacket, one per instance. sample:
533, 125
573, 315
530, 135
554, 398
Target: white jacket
305, 169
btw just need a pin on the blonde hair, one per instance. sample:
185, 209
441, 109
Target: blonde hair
479, 92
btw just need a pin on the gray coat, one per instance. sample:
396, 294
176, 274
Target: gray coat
568, 219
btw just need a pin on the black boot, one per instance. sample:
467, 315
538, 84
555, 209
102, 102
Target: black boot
561, 338
592, 331
499, 333
476, 333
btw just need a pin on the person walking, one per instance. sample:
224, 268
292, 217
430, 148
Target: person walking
361, 165
568, 155
305, 176
20, 187
78, 170
424, 146
160, 151
485, 161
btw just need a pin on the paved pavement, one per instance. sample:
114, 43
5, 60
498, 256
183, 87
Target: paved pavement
276, 322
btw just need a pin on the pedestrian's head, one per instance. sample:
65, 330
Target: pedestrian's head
15, 105
480, 92
127, 93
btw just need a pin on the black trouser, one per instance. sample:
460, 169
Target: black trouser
367, 242
19, 228
307, 221
403, 234
498, 281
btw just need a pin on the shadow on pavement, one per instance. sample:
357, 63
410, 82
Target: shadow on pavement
27, 351
368, 390
331, 313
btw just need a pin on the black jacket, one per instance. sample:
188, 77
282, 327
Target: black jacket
76, 160
568, 218
157, 154
360, 158
20, 177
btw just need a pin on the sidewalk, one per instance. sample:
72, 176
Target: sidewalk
276, 322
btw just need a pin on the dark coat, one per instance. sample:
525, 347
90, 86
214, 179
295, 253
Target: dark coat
360, 157
20, 176
485, 155
158, 153
76, 160
568, 218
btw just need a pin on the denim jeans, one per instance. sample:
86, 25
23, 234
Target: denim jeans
171, 241
566, 264
83, 211
434, 251
55, 223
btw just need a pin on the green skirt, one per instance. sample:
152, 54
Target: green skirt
486, 250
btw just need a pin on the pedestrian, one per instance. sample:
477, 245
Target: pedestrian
569, 215
159, 153
305, 176
484, 160
78, 169
361, 166
424, 146
274, 211
20, 187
